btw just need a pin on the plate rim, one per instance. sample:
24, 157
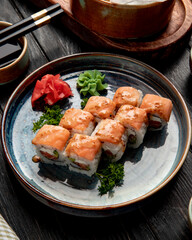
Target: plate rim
29, 186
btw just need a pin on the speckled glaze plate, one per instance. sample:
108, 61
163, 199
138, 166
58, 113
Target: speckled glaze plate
147, 169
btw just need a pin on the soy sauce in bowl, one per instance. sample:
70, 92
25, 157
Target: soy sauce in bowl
9, 52
14, 58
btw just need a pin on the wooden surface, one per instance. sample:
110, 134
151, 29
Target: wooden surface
159, 46
163, 217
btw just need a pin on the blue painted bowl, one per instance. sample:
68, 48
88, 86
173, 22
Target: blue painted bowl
147, 169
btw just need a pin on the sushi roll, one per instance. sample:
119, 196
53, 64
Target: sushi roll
158, 110
100, 107
78, 121
127, 96
50, 142
83, 154
136, 121
113, 137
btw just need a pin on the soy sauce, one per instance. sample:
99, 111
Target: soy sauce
9, 52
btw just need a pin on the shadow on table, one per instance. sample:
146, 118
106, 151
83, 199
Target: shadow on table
66, 177
132, 222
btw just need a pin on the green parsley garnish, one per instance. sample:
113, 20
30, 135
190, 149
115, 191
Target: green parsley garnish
51, 116
91, 82
110, 176
84, 102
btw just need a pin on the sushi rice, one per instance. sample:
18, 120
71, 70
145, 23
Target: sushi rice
113, 147
81, 165
135, 137
83, 154
50, 142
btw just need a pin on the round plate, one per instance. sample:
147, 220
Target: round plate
147, 169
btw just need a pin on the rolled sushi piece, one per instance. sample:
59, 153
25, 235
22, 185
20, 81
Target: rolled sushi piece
50, 142
158, 109
78, 121
113, 137
100, 107
128, 96
83, 154
136, 121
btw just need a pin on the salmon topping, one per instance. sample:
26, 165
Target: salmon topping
131, 116
76, 119
53, 136
110, 131
100, 106
156, 105
127, 95
83, 146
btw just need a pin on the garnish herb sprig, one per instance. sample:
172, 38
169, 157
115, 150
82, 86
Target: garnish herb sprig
84, 102
51, 116
110, 176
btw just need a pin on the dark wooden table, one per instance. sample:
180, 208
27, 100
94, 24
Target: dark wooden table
163, 217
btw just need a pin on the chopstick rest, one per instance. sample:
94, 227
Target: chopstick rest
30, 27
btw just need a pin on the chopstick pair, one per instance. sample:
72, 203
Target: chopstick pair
29, 24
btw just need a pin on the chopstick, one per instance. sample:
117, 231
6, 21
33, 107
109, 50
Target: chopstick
22, 29
8, 30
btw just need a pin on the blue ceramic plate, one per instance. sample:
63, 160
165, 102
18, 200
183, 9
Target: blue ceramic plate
147, 169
